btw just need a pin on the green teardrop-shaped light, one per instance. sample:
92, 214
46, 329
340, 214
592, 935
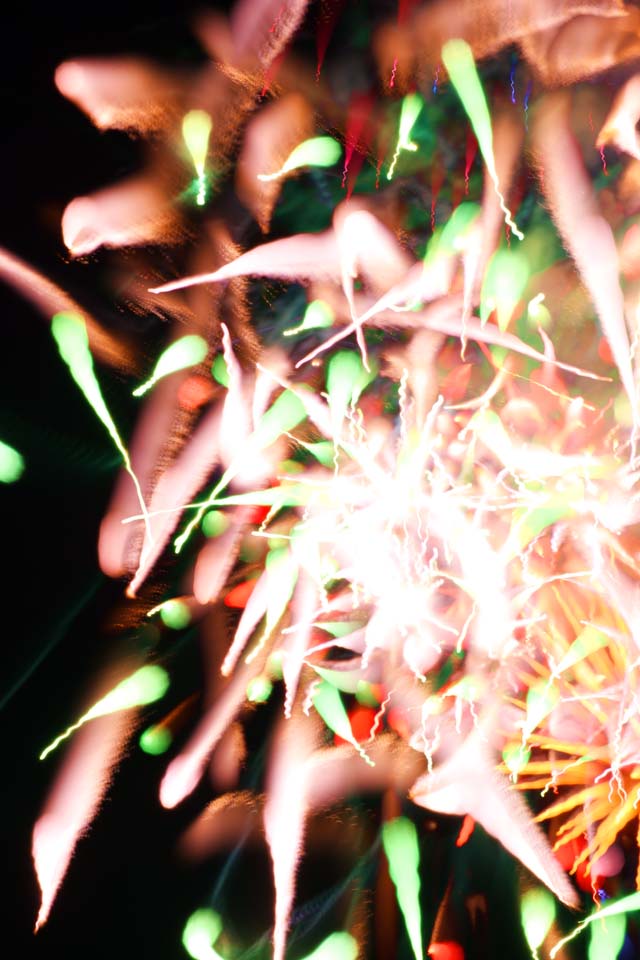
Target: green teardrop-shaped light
315, 152
146, 685
196, 130
346, 378
201, 931
318, 314
537, 913
337, 946
412, 104
185, 352
400, 842
219, 370
70, 333
457, 58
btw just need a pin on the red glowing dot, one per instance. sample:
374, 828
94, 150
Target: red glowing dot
454, 386
361, 720
604, 351
194, 392
447, 950
465, 831
238, 597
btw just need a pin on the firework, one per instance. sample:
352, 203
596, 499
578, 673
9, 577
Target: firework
385, 466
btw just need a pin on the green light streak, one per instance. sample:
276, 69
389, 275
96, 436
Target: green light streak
587, 642
155, 740
70, 333
316, 152
400, 842
459, 63
146, 685
614, 908
185, 352
537, 913
328, 703
11, 464
318, 314
201, 931
338, 946
412, 104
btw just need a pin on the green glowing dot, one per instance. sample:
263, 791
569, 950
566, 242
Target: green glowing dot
70, 333
155, 740
328, 703
259, 689
214, 523
219, 370
400, 842
537, 912
175, 614
185, 352
338, 946
11, 464
201, 931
